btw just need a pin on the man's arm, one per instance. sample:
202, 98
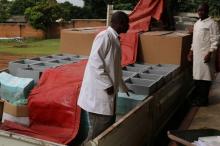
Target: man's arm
122, 85
190, 54
214, 39
97, 60
214, 36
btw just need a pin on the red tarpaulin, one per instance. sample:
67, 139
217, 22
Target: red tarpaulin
53, 110
141, 15
52, 104
129, 45
139, 21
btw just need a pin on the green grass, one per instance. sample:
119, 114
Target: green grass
30, 47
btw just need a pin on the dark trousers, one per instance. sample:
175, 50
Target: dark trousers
98, 123
201, 93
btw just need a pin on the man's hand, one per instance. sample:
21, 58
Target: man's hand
190, 29
190, 56
207, 58
129, 90
110, 90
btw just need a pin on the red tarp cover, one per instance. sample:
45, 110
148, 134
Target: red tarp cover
139, 21
129, 45
141, 15
52, 104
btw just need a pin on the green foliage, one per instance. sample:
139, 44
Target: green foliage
78, 13
4, 10
214, 7
18, 6
71, 12
125, 4
191, 6
95, 9
43, 15
66, 8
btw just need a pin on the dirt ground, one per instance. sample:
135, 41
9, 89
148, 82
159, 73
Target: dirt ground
5, 58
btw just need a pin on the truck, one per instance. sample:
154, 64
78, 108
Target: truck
142, 116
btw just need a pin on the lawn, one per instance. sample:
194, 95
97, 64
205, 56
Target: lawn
30, 47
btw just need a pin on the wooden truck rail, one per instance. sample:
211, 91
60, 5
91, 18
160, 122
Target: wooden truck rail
142, 124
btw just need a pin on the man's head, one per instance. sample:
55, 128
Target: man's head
203, 11
120, 22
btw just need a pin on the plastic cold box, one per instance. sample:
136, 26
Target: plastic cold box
80, 57
68, 61
35, 59
159, 79
172, 68
126, 103
60, 56
14, 88
145, 66
29, 73
166, 74
42, 66
141, 86
14, 65
133, 69
47, 58
127, 74
55, 62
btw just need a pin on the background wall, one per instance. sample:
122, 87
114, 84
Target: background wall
25, 30
19, 30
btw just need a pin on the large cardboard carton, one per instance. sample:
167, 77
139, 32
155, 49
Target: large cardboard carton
15, 113
156, 47
164, 47
77, 41
15, 110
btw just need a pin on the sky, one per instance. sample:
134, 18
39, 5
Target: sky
74, 2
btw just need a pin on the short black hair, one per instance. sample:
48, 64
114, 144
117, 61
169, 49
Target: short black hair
205, 5
119, 17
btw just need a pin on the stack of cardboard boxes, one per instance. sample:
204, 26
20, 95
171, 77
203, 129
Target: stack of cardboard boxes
156, 47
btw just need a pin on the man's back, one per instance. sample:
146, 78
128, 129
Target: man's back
101, 73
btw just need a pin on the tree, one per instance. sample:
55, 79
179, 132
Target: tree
191, 6
125, 4
78, 13
4, 10
43, 15
72, 12
214, 6
18, 6
52, 2
95, 8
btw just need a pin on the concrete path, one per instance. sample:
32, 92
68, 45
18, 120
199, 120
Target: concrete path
209, 117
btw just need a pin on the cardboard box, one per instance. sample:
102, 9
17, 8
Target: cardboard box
15, 110
77, 42
14, 113
21, 120
164, 47
155, 47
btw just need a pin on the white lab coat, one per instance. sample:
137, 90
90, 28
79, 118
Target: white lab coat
103, 70
205, 39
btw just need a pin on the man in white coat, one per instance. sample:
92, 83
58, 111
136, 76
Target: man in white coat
202, 53
103, 76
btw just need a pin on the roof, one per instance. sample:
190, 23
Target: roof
17, 19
